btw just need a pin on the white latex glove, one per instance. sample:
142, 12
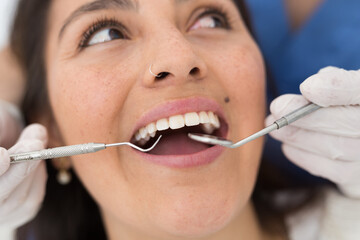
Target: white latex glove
332, 216
10, 124
22, 185
326, 143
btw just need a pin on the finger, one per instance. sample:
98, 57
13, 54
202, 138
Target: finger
17, 172
333, 87
340, 172
14, 176
32, 138
332, 147
37, 190
27, 145
341, 120
28, 205
287, 103
351, 190
17, 196
34, 131
328, 69
4, 161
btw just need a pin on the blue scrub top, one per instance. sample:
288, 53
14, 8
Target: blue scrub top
330, 37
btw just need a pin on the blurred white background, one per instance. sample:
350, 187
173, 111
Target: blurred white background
7, 10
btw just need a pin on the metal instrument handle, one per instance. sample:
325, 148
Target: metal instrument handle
296, 114
57, 152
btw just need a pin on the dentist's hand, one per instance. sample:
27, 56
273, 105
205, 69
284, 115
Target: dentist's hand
22, 185
326, 143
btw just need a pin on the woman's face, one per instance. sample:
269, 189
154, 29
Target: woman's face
98, 55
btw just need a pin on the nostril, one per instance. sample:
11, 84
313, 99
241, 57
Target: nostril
195, 71
162, 75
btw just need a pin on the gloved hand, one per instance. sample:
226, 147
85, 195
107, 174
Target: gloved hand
326, 143
22, 185
10, 124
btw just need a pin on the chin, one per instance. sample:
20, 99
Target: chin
195, 217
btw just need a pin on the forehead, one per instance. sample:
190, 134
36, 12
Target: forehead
66, 11
70, 7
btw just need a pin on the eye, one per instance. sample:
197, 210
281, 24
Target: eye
105, 35
102, 31
211, 19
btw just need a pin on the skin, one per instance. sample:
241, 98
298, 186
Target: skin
68, 67
11, 82
107, 103
99, 92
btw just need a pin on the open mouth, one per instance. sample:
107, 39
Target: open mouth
174, 130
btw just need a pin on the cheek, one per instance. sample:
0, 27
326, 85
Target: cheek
246, 75
92, 95
243, 78
247, 87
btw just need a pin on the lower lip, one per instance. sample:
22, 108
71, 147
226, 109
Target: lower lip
204, 157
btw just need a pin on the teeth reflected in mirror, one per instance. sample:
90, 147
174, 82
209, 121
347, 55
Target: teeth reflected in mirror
141, 142
208, 128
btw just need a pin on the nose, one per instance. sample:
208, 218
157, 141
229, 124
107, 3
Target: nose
174, 60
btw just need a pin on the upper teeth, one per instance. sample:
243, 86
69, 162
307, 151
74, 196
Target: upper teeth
209, 122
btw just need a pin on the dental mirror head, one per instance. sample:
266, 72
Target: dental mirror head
209, 139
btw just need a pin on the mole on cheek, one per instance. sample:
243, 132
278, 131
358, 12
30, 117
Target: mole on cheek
227, 100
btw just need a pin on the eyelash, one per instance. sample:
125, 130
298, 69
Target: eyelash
112, 22
216, 12
100, 25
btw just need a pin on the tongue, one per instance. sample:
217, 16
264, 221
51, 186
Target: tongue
177, 144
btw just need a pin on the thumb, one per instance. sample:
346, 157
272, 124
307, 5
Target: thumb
332, 86
33, 137
34, 131
4, 161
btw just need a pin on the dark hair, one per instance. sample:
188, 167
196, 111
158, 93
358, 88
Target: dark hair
68, 212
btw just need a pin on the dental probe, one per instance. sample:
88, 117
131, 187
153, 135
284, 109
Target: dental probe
71, 150
282, 122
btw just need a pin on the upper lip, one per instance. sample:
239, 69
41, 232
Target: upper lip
180, 106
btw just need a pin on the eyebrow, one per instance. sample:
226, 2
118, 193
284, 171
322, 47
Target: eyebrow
105, 4
99, 5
